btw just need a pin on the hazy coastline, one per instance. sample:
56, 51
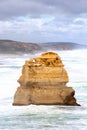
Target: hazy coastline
9, 47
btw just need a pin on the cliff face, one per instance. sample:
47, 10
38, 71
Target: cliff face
43, 81
14, 47
62, 46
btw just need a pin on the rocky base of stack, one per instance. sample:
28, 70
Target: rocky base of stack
45, 96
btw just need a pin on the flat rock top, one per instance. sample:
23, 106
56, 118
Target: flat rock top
49, 55
46, 59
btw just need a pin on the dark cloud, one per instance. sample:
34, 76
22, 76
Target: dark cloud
38, 8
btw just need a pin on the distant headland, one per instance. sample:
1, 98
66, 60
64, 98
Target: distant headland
16, 47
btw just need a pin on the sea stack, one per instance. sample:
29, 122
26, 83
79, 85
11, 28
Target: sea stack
43, 82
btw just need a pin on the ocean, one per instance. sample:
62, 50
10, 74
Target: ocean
42, 117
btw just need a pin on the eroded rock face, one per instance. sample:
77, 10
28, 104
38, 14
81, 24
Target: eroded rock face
43, 81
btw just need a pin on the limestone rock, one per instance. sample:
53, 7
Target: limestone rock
43, 81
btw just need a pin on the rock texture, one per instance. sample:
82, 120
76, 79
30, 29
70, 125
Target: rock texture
43, 81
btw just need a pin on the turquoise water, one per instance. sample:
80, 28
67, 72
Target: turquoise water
41, 117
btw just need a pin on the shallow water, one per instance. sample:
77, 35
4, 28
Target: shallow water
41, 117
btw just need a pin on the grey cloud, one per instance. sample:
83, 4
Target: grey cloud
79, 22
37, 8
55, 20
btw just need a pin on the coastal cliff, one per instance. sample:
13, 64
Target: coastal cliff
18, 48
43, 82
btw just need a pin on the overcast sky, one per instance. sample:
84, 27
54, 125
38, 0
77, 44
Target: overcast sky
44, 20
